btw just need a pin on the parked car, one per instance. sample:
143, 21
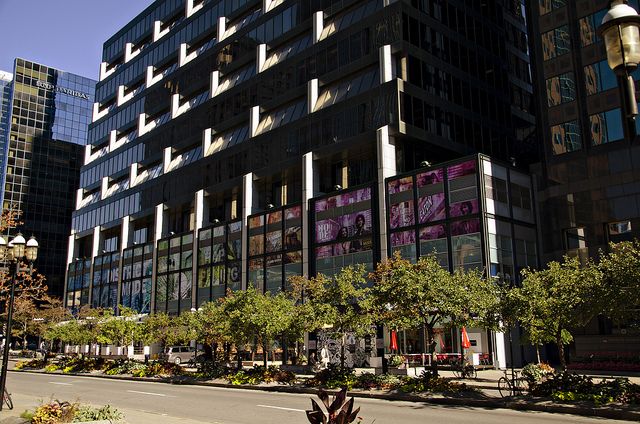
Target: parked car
179, 354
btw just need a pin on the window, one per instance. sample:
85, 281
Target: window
556, 42
561, 89
619, 231
589, 24
606, 127
547, 6
566, 137
575, 238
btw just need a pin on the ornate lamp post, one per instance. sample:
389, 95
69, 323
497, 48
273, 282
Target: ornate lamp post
12, 253
620, 29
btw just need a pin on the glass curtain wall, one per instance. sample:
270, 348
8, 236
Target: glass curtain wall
137, 269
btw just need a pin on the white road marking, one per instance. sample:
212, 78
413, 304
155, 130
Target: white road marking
61, 384
149, 393
279, 407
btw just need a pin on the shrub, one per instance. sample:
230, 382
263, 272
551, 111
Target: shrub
53, 412
334, 377
535, 373
154, 369
88, 413
396, 360
34, 364
210, 369
259, 374
427, 382
51, 368
122, 366
563, 382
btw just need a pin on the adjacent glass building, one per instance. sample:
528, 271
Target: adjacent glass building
590, 176
237, 143
48, 116
5, 100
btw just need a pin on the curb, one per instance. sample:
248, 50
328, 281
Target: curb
538, 405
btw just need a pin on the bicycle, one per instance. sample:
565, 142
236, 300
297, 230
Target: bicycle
461, 370
513, 385
7, 399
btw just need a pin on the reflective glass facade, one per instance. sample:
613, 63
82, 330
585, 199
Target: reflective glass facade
5, 102
590, 181
204, 114
49, 115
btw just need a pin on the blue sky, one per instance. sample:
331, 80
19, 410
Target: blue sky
64, 34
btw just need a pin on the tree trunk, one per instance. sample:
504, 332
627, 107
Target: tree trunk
563, 362
342, 358
265, 353
209, 352
538, 353
239, 357
431, 348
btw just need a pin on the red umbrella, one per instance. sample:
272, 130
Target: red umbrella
465, 339
393, 345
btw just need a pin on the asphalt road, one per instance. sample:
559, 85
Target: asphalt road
144, 403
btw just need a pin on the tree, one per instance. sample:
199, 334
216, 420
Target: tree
236, 308
423, 295
208, 325
29, 283
553, 302
161, 328
620, 268
272, 318
120, 330
340, 304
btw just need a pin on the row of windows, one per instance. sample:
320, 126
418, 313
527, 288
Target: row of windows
93, 174
604, 127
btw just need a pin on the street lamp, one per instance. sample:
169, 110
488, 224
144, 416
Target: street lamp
620, 30
12, 253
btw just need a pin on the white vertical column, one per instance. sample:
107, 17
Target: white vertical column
500, 351
254, 120
386, 153
312, 95
247, 208
133, 174
222, 27
104, 187
97, 241
113, 139
261, 57
266, 5
166, 159
386, 64
318, 25
175, 105
79, 197
307, 194
201, 216
214, 83
160, 225
71, 249
207, 138
125, 232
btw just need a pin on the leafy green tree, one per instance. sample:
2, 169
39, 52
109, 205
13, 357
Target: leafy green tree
236, 309
553, 302
208, 325
120, 330
620, 268
340, 304
423, 294
161, 328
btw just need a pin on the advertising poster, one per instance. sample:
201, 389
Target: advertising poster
430, 177
403, 238
345, 199
431, 208
293, 257
217, 275
432, 233
346, 226
274, 217
256, 221
401, 214
400, 185
461, 169
256, 245
274, 241
293, 238
293, 213
468, 207
234, 249
465, 227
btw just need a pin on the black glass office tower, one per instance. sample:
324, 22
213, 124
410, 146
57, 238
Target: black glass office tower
590, 184
233, 142
48, 118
